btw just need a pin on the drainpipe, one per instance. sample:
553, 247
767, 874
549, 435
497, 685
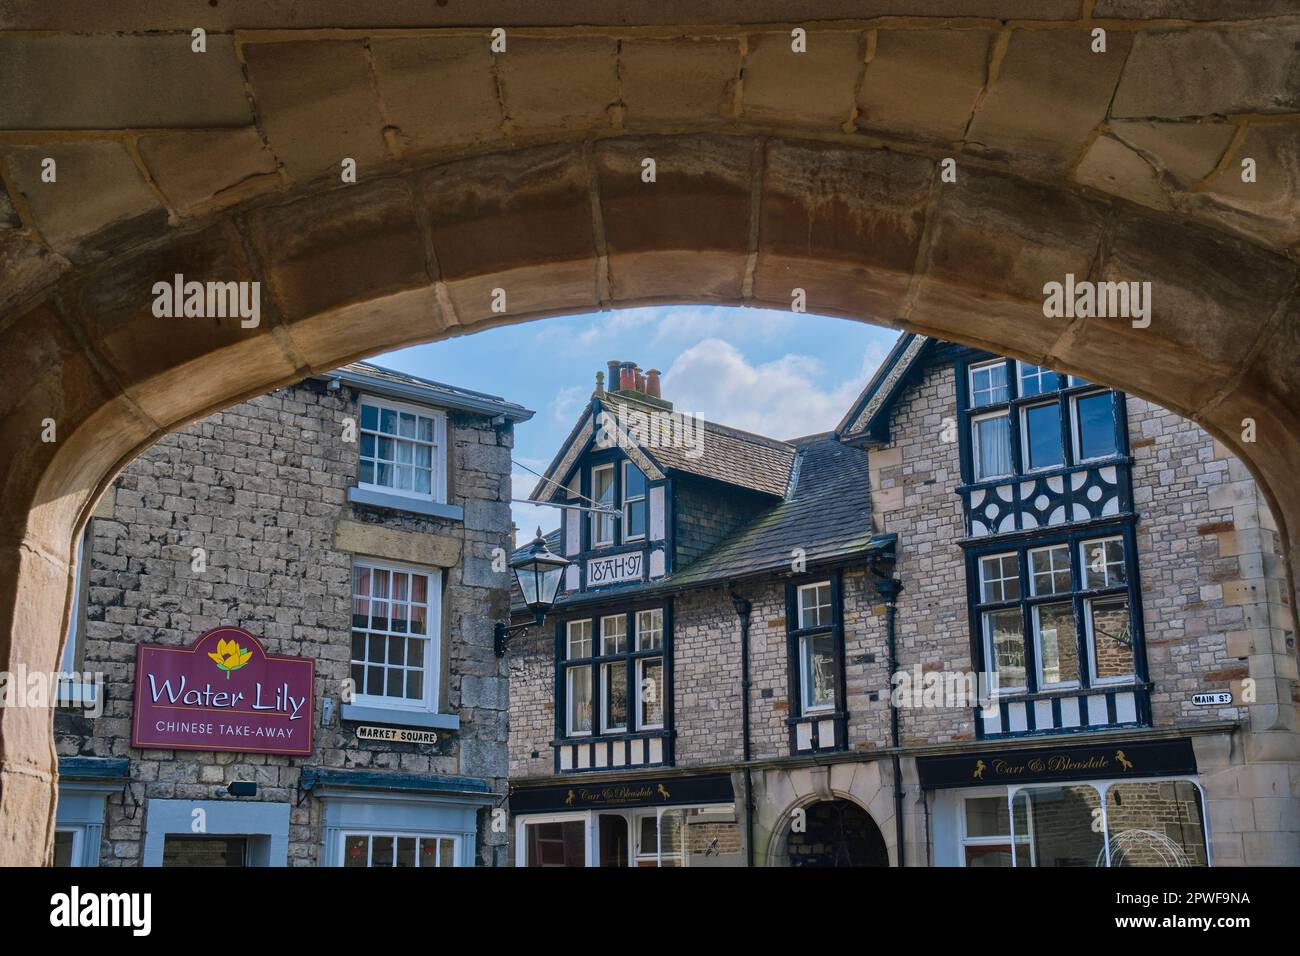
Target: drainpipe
889, 589
743, 609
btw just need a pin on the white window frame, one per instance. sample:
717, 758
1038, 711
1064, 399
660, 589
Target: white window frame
800, 606
975, 445
1038, 375
1085, 569
964, 839
1076, 435
72, 690
433, 637
805, 677
437, 455
983, 580
970, 382
1050, 550
990, 660
605, 726
640, 683
659, 629
568, 701
587, 818
1025, 466
626, 637
1043, 683
395, 834
568, 639
1091, 642
1103, 791
597, 517
628, 501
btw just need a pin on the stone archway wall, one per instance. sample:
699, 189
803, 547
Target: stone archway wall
523, 171
866, 784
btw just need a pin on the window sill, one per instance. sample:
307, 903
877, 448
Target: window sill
399, 718
380, 499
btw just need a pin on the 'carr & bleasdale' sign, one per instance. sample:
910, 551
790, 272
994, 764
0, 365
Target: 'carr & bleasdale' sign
224, 692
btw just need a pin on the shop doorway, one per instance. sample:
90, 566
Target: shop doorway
834, 833
221, 851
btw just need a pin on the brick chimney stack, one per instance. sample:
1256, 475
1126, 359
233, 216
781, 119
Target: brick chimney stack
629, 377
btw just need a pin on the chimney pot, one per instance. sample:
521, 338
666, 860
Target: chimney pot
652, 383
612, 377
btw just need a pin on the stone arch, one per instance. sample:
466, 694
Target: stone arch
779, 794
767, 180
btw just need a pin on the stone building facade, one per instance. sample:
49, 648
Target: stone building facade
351, 520
1139, 635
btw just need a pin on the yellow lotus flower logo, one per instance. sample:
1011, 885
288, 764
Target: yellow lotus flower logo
230, 656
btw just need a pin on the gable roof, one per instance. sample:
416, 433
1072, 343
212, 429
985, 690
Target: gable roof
725, 454
826, 513
868, 416
377, 380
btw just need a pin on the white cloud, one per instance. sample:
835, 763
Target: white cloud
785, 398
566, 404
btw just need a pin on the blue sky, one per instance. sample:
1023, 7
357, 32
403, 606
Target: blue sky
780, 374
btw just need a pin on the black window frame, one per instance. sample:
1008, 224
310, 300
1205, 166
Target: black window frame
1078, 595
1071, 389
597, 661
795, 633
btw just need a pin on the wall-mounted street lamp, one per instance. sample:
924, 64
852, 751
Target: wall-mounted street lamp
538, 572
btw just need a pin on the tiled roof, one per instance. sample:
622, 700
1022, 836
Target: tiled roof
827, 514
725, 454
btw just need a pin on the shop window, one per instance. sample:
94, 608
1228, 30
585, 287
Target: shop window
396, 621
398, 850
401, 449
556, 843
1111, 823
986, 832
1155, 823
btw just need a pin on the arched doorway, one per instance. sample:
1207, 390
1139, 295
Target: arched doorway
834, 833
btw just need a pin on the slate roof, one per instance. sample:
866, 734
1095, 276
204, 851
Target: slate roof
726, 454
394, 384
827, 513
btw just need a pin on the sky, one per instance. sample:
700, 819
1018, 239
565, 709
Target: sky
780, 374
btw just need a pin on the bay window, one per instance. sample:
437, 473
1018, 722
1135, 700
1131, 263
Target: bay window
614, 667
1057, 615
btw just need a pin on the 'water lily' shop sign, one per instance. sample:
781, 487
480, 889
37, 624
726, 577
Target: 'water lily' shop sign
224, 692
